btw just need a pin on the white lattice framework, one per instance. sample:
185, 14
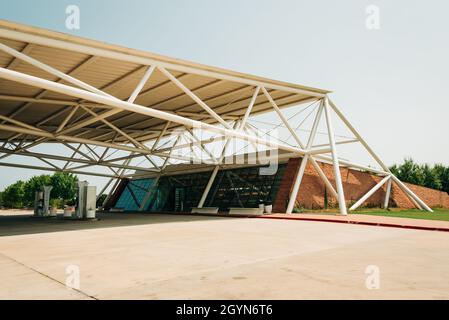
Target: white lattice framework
146, 144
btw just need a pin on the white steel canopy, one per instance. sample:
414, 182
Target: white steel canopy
86, 94
117, 71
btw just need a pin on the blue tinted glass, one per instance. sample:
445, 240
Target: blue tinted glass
134, 194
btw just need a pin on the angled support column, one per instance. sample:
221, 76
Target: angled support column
304, 161
202, 146
155, 184
250, 108
216, 169
295, 190
67, 119
410, 193
117, 180
208, 186
104, 188
164, 130
413, 197
370, 193
338, 181
387, 194
298, 140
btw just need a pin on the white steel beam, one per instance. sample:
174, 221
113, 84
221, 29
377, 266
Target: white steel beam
250, 108
141, 84
297, 184
51, 70
337, 175
201, 145
337, 143
104, 188
71, 159
112, 112
224, 115
387, 194
140, 59
194, 97
412, 195
127, 136
370, 193
19, 123
83, 94
67, 119
23, 166
358, 136
304, 161
210, 182
36, 100
86, 141
298, 140
217, 168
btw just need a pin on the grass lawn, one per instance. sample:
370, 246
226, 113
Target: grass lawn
438, 214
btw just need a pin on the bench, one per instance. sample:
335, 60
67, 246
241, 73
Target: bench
246, 211
209, 210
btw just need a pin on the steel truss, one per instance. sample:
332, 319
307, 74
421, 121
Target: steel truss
99, 106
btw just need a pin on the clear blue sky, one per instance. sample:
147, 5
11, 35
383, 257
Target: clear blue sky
391, 83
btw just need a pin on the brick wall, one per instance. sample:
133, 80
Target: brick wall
356, 184
281, 201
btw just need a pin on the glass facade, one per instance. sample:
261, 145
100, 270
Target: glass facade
178, 193
134, 194
242, 187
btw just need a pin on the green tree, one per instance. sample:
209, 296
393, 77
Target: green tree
13, 195
436, 177
34, 184
407, 171
442, 173
64, 186
431, 177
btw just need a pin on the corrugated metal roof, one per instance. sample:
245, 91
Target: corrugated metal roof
119, 77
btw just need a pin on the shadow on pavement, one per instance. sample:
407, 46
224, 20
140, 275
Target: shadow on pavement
11, 225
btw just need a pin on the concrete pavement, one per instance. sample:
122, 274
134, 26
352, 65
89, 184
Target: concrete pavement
163, 257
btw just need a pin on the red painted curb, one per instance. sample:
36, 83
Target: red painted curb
380, 224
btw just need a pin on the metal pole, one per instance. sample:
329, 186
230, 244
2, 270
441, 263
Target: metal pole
387, 194
370, 193
83, 94
304, 161
411, 194
216, 169
250, 108
413, 197
338, 182
297, 184
104, 188
208, 186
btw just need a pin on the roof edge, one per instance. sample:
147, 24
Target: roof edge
144, 54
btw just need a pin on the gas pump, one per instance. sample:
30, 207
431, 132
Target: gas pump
42, 202
86, 201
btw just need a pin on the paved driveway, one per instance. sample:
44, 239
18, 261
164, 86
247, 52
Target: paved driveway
172, 257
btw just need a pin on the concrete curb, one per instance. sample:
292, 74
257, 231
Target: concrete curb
374, 224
